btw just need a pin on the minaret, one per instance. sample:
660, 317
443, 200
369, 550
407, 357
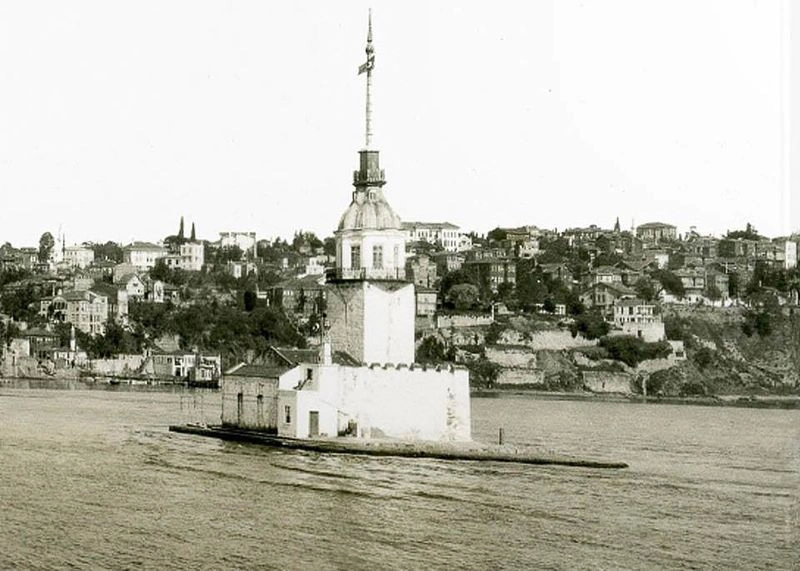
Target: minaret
370, 304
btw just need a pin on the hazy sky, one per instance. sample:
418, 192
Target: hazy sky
116, 118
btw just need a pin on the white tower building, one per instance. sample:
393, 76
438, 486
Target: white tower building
370, 303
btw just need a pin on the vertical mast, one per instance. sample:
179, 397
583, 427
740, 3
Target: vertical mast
367, 67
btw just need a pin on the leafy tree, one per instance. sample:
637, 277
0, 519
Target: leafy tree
108, 251
483, 372
432, 351
676, 261
8, 331
250, 300
733, 284
670, 282
749, 233
633, 350
554, 250
505, 292
645, 289
590, 325
329, 246
674, 328
453, 278
549, 305
463, 296
21, 303
703, 357
46, 244
712, 292
496, 235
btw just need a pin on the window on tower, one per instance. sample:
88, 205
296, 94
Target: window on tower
355, 257
377, 257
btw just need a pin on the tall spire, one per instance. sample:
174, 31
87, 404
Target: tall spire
367, 67
369, 173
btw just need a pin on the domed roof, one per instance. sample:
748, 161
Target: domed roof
369, 213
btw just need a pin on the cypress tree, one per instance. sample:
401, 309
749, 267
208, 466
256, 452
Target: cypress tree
193, 237
180, 232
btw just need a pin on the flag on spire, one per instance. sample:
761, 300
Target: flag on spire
370, 63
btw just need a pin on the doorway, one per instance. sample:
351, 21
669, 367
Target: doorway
313, 423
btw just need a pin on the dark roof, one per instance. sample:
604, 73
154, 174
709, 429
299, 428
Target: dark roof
291, 357
616, 286
655, 225
252, 370
345, 359
39, 332
144, 246
431, 225
306, 282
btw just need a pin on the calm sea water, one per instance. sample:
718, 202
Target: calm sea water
91, 478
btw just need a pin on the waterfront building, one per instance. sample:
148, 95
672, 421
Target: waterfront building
364, 382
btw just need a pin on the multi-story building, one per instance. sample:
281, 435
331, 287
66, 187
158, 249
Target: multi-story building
493, 271
694, 284
605, 274
190, 257
133, 285
421, 270
443, 234
143, 255
117, 301
656, 232
78, 256
639, 318
448, 261
86, 310
304, 296
583, 237
604, 295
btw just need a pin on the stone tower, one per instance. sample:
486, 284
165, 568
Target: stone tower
371, 306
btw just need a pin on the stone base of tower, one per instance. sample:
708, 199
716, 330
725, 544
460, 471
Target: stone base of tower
373, 321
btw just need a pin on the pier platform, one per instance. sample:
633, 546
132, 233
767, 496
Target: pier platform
467, 451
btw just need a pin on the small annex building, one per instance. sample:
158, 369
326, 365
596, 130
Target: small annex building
338, 398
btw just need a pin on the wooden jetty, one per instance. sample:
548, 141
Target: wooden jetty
470, 451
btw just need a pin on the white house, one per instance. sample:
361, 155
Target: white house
143, 255
78, 256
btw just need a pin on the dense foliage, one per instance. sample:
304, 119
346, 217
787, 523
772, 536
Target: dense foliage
633, 350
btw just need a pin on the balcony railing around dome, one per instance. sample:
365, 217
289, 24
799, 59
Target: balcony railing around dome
372, 175
378, 274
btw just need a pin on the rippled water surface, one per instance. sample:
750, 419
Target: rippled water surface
91, 478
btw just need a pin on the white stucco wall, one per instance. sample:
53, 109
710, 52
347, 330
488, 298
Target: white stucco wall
373, 321
389, 310
393, 402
